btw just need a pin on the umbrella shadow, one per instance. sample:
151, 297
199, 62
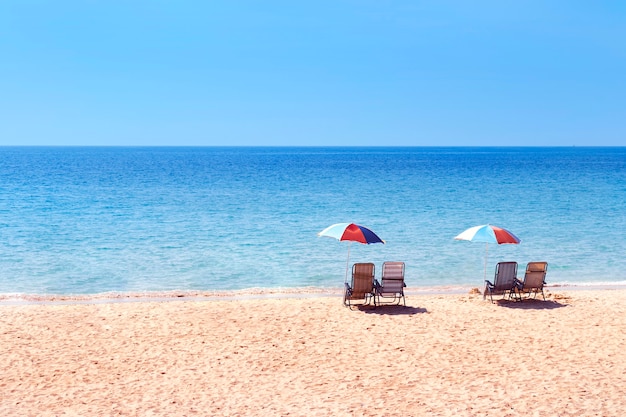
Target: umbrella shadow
531, 304
394, 310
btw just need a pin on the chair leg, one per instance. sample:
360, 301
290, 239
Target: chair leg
372, 299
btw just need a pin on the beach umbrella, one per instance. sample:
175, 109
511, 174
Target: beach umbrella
488, 233
351, 232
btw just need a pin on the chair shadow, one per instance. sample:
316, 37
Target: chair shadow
393, 310
530, 304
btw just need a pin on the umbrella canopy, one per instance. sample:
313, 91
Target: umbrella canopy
488, 233
351, 232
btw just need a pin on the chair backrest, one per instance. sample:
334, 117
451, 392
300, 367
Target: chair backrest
392, 278
362, 279
506, 273
535, 275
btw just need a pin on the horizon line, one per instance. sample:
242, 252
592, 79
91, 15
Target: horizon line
313, 146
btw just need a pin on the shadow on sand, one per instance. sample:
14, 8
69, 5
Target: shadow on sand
393, 310
530, 304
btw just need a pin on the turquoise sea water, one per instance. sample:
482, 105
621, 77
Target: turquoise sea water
94, 220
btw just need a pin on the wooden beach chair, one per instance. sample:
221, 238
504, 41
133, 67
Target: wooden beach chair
504, 281
534, 279
362, 286
392, 283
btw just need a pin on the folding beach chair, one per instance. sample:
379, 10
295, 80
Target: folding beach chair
362, 286
392, 283
504, 281
534, 279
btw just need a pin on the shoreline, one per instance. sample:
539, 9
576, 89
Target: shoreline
12, 299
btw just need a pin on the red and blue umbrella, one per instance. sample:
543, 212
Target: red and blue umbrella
488, 233
351, 232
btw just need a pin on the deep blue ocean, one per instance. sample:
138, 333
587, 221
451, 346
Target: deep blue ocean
89, 220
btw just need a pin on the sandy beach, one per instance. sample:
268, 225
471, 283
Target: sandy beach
442, 355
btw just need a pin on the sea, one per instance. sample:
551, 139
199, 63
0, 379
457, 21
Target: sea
138, 220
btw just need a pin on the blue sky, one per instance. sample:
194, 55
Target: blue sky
354, 73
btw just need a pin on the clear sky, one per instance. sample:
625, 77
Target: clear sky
323, 72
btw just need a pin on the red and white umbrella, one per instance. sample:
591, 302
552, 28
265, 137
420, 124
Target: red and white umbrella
351, 232
489, 234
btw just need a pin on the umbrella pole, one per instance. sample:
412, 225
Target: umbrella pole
486, 256
347, 263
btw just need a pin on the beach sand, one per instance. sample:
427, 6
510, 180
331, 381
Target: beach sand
442, 355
